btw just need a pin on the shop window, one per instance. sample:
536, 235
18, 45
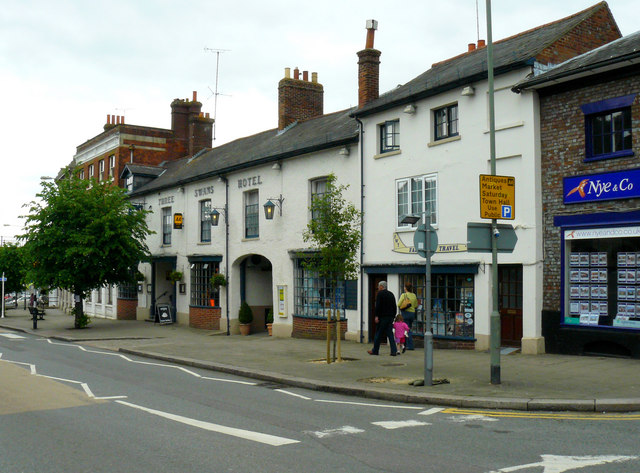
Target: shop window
128, 290
608, 128
414, 194
445, 122
602, 279
452, 304
167, 224
251, 220
389, 136
205, 221
202, 294
312, 293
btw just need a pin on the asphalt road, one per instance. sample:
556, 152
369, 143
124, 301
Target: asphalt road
73, 408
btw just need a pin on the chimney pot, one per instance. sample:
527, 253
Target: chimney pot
472, 47
108, 119
481, 43
314, 77
206, 115
287, 73
296, 74
113, 119
118, 120
305, 76
122, 119
372, 26
195, 96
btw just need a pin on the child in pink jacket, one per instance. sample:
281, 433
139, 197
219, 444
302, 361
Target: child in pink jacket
400, 330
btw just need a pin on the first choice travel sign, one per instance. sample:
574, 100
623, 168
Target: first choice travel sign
497, 197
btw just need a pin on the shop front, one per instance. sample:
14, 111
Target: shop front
452, 300
600, 269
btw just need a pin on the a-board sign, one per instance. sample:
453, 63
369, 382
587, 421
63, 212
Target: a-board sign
497, 197
163, 312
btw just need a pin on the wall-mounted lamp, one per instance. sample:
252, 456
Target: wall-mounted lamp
181, 189
214, 215
270, 206
276, 166
150, 207
468, 91
344, 151
410, 109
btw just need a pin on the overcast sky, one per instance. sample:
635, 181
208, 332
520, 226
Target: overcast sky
65, 65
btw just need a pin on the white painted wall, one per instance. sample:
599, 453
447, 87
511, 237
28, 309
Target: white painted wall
458, 164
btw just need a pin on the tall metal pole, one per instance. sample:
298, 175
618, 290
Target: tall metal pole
494, 342
3, 295
428, 336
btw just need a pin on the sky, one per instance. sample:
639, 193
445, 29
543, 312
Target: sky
66, 64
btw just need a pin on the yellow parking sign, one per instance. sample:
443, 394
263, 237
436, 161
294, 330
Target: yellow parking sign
497, 197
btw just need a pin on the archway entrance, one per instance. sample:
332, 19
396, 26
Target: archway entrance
256, 287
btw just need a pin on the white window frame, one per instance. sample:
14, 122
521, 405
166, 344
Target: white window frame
166, 226
90, 172
415, 190
317, 186
101, 170
112, 165
251, 199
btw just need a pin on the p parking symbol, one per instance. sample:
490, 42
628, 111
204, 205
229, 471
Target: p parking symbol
506, 211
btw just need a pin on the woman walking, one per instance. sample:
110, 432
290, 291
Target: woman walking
407, 305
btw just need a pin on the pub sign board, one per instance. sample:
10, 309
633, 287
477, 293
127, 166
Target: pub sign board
177, 221
597, 187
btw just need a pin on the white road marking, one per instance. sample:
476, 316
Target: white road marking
346, 430
248, 383
429, 412
559, 464
390, 425
85, 386
293, 394
473, 418
12, 335
369, 404
240, 433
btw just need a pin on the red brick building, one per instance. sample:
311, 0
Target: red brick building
590, 149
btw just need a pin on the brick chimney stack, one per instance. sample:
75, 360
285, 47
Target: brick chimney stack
190, 125
299, 99
368, 68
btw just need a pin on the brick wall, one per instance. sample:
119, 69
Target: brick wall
314, 328
127, 309
368, 76
206, 318
597, 30
562, 133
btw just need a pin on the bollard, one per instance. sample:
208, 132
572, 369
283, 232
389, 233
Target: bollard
35, 319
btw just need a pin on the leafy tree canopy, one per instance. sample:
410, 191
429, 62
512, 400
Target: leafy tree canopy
334, 232
13, 266
82, 235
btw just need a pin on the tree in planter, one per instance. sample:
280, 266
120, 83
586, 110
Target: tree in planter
245, 316
82, 235
334, 232
269, 321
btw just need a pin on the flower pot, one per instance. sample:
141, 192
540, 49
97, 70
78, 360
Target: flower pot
269, 328
245, 329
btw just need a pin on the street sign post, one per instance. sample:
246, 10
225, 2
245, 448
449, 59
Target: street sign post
497, 197
420, 237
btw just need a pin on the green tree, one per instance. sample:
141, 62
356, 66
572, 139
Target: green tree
334, 233
82, 235
13, 266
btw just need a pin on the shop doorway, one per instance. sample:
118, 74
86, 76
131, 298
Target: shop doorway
510, 296
374, 280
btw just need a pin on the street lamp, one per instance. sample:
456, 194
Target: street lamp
270, 206
426, 253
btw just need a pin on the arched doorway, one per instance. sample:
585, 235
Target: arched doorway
256, 288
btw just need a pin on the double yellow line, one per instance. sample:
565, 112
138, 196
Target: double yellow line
543, 415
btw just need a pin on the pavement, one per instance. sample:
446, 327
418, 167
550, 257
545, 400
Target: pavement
528, 382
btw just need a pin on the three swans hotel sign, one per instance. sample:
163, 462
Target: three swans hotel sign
597, 187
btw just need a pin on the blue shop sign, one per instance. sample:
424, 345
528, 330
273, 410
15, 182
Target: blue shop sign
597, 187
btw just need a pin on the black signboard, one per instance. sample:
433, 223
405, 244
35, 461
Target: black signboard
163, 313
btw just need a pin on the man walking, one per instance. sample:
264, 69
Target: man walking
385, 312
